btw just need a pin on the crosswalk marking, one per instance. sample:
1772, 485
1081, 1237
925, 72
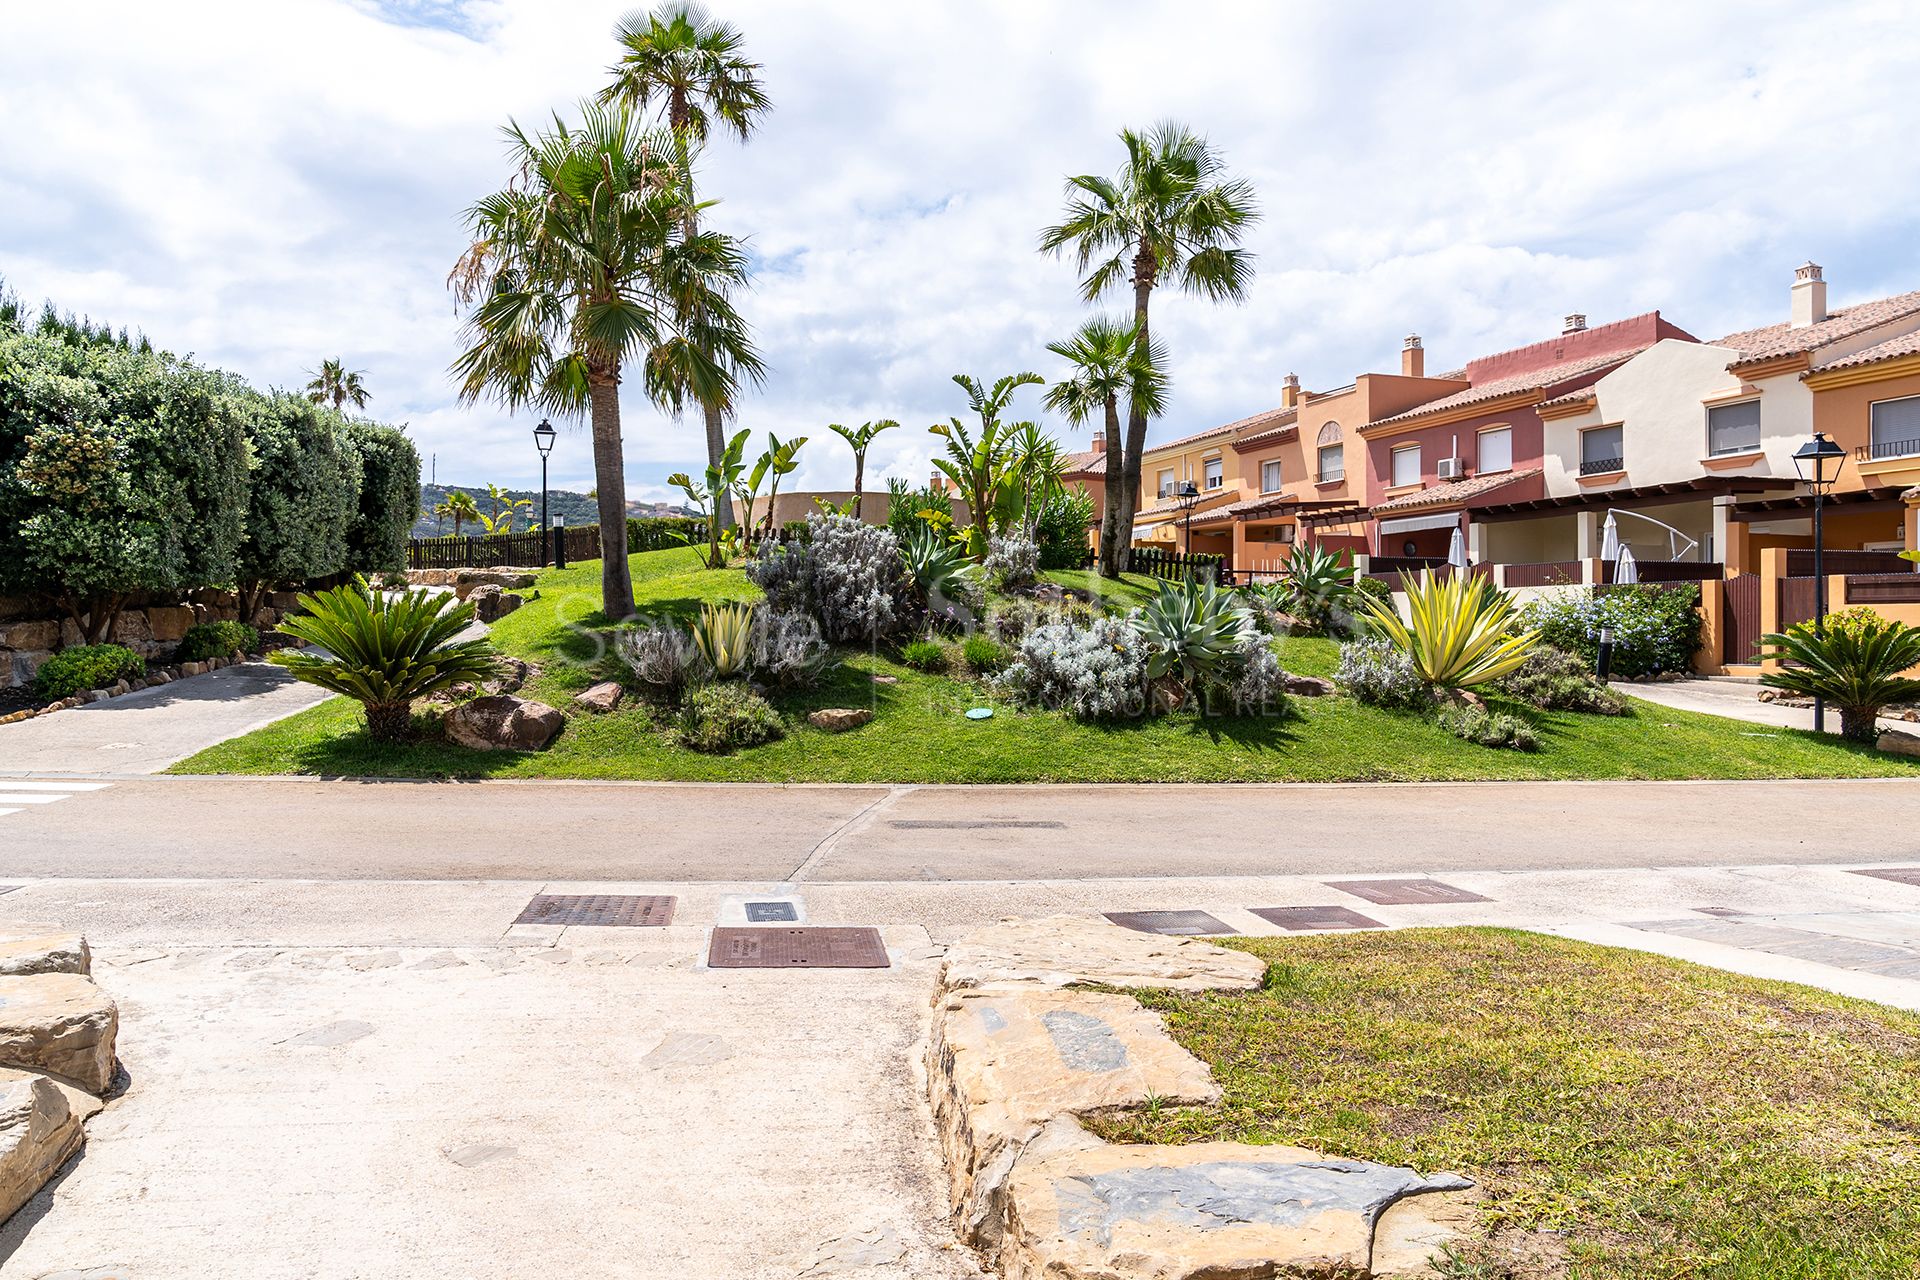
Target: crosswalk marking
17, 792
26, 784
29, 797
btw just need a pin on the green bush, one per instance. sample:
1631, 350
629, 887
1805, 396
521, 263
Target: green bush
1488, 728
725, 717
1555, 680
1655, 628
1856, 666
659, 533
984, 654
1061, 530
87, 666
925, 655
1374, 589
216, 640
389, 497
305, 496
1196, 632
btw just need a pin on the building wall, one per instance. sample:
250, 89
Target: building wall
1455, 439
1844, 412
1188, 462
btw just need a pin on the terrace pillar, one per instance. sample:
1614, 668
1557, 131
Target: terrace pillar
1773, 570
1586, 534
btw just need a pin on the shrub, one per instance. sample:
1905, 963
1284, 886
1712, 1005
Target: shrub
1372, 589
663, 658
1012, 619
658, 533
724, 636
925, 655
1196, 630
384, 651
788, 649
854, 576
84, 667
389, 497
1458, 633
905, 505
1096, 672
1318, 590
938, 574
1856, 667
1488, 728
1013, 561
783, 571
1655, 628
984, 654
216, 640
304, 496
1254, 681
1061, 530
725, 717
1378, 673
1555, 680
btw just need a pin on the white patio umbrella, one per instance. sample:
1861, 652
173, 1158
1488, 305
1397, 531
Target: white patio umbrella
1610, 539
1457, 549
1624, 569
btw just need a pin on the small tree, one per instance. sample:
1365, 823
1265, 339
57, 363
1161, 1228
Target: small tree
305, 495
459, 507
978, 465
859, 439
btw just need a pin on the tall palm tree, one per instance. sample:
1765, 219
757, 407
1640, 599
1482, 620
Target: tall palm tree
1110, 365
460, 505
1168, 214
577, 268
680, 56
333, 383
859, 438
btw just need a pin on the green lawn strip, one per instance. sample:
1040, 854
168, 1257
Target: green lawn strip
1628, 1116
1122, 593
920, 735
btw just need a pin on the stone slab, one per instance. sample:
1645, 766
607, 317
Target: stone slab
1067, 950
44, 953
59, 1023
38, 1132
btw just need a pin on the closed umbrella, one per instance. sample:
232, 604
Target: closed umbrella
1457, 550
1610, 539
1625, 570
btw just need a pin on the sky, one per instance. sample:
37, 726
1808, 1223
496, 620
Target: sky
267, 185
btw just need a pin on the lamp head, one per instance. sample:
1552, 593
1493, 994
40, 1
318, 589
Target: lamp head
1813, 459
543, 437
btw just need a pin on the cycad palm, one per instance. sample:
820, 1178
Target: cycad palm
335, 384
1169, 214
578, 267
1110, 366
681, 57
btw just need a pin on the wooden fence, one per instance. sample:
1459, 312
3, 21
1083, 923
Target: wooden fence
1800, 562
1552, 573
1882, 588
487, 550
1174, 564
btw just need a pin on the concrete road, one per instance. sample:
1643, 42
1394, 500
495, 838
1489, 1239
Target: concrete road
320, 830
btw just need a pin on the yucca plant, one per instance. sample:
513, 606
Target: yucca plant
1459, 634
1195, 629
384, 650
724, 636
1854, 666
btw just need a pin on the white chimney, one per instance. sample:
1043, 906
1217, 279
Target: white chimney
1413, 357
1809, 296
1574, 323
1290, 391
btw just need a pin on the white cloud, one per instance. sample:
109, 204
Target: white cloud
269, 185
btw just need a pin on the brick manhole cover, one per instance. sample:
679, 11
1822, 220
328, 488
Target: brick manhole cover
807, 947
598, 909
770, 912
1899, 875
1192, 924
974, 824
1404, 893
1316, 918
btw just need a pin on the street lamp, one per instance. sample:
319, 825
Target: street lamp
543, 441
1189, 498
1811, 460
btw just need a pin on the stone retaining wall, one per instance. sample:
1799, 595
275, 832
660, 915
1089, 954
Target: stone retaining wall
30, 632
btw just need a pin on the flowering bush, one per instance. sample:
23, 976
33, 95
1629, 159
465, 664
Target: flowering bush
1555, 680
1096, 672
1253, 680
663, 658
1655, 629
787, 648
1379, 673
783, 570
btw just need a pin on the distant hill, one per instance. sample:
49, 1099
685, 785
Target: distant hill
575, 508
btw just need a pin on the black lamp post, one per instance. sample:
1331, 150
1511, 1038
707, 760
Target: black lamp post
1189, 498
1811, 461
543, 441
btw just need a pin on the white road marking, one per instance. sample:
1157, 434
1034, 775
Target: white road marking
12, 784
5, 812
17, 792
28, 797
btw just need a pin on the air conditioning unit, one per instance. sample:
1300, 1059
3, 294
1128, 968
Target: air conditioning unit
1448, 469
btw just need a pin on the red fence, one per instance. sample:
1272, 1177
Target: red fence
1740, 628
1882, 588
1800, 562
1553, 573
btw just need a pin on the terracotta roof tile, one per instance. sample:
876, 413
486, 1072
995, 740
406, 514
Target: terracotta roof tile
1264, 419
1454, 491
1907, 344
1089, 462
1268, 436
1532, 380
1774, 340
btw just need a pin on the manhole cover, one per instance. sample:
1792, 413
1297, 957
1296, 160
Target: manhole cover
1316, 918
598, 909
1404, 893
768, 912
1899, 875
803, 948
974, 824
1182, 923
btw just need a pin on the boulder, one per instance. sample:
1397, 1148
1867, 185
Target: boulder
1898, 743
502, 722
1309, 686
39, 633
513, 674
59, 1023
490, 603
839, 719
604, 696
1062, 951
130, 628
169, 622
467, 581
44, 953
39, 1130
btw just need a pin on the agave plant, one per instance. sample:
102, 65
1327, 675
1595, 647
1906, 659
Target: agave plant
1318, 586
1855, 667
384, 650
1196, 631
936, 568
724, 636
1459, 634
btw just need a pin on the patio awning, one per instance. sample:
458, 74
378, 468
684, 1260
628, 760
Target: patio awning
1413, 524
1646, 494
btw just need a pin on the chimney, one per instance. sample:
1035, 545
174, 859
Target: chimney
1413, 358
1809, 296
1575, 322
1290, 391
1100, 442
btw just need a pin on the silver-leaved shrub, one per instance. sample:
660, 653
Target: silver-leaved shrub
1379, 672
1095, 672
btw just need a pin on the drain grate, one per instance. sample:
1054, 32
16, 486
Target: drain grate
1404, 893
598, 909
1189, 924
770, 912
1899, 875
808, 947
974, 824
1316, 918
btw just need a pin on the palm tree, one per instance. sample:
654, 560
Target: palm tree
859, 438
333, 383
1110, 364
1168, 214
680, 56
579, 266
458, 504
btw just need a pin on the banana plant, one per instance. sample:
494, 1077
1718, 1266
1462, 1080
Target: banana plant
504, 509
979, 466
724, 636
779, 460
718, 485
1458, 634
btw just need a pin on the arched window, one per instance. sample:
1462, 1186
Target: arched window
1331, 461
1330, 434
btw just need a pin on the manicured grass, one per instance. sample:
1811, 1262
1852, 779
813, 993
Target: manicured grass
920, 735
1118, 594
1627, 1116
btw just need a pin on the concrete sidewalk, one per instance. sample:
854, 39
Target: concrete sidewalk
1737, 700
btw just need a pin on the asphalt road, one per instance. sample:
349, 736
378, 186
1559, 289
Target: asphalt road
213, 828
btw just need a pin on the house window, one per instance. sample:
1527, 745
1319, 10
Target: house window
1733, 428
1406, 465
1270, 476
1166, 482
1214, 473
1600, 451
1496, 450
1896, 428
1331, 461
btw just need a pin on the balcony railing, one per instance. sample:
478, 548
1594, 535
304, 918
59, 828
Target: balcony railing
1602, 466
1886, 449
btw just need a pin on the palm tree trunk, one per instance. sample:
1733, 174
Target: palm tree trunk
678, 117
1143, 266
610, 480
859, 479
1115, 489
389, 721
716, 446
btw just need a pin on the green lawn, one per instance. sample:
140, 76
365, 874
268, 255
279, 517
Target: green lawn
1627, 1116
920, 735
